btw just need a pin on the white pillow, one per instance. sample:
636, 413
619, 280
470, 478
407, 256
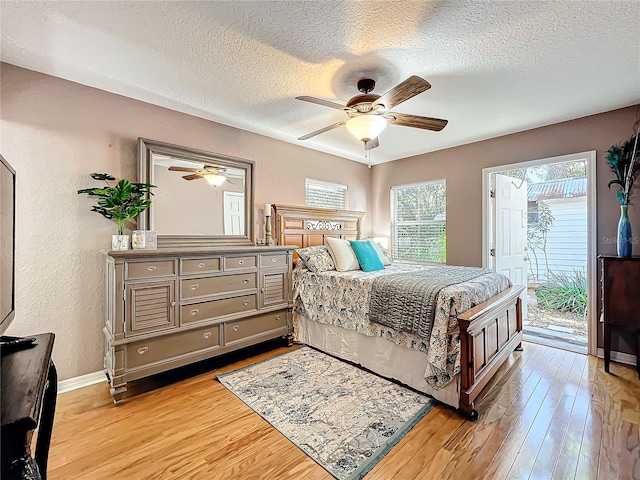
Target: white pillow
343, 255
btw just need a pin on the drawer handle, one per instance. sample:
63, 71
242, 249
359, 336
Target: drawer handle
151, 268
142, 350
235, 328
173, 304
245, 303
201, 265
274, 259
206, 334
278, 318
195, 311
194, 287
240, 262
245, 281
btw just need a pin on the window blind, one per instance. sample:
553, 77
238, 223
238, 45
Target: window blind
321, 194
418, 222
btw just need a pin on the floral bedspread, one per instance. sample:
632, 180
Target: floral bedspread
342, 299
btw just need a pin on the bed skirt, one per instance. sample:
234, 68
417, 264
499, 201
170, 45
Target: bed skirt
376, 354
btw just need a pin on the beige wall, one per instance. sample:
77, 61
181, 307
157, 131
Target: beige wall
54, 133
462, 168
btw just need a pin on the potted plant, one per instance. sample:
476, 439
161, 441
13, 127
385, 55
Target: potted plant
623, 161
119, 201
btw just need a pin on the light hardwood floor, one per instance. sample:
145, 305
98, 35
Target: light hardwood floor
547, 414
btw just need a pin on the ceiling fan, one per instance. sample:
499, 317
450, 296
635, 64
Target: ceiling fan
369, 113
214, 175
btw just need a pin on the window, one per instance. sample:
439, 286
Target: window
418, 222
325, 194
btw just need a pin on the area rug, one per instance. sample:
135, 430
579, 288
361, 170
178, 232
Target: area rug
343, 417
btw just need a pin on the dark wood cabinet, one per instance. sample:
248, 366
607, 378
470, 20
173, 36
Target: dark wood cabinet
28, 394
620, 300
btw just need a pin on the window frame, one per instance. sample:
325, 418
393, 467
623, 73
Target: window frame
393, 223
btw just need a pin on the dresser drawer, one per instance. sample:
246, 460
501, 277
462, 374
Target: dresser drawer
161, 268
236, 263
200, 265
276, 260
143, 353
201, 287
241, 329
217, 308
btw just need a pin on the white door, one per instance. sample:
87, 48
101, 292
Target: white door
233, 213
510, 232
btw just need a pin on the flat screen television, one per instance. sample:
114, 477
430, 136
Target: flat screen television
7, 243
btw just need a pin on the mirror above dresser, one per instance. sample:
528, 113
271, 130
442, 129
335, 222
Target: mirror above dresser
202, 199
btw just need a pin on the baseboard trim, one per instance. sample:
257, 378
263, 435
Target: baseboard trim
620, 357
81, 381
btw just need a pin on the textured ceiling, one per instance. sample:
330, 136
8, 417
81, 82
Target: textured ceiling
496, 67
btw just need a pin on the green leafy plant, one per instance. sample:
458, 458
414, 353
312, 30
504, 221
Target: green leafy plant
623, 161
119, 200
564, 292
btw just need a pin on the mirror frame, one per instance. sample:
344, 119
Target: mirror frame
146, 150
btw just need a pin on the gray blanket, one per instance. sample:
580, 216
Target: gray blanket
406, 302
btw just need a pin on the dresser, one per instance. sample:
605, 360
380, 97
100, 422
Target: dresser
171, 307
620, 301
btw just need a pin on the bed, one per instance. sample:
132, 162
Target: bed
477, 323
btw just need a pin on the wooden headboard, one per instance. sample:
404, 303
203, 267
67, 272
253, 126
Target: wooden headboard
307, 226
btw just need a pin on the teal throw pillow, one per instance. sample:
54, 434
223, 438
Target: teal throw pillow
366, 255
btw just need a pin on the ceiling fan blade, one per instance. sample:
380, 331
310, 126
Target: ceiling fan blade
192, 177
322, 130
416, 121
411, 87
372, 144
325, 103
183, 169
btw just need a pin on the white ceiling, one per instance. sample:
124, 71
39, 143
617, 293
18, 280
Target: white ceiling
496, 67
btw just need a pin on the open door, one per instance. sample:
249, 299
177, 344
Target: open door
509, 252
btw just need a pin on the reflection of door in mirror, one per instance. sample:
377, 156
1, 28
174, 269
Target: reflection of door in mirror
233, 213
181, 182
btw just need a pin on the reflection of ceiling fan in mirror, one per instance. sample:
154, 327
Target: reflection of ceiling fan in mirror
369, 113
216, 176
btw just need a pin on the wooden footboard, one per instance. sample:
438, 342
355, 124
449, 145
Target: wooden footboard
489, 333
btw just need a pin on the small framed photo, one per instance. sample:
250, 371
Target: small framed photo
144, 240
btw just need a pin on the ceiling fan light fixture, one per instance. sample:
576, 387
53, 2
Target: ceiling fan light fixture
366, 127
214, 179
